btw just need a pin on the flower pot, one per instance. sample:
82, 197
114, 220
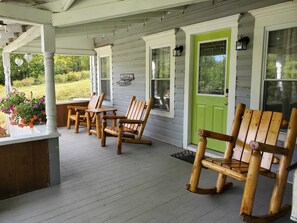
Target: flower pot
16, 131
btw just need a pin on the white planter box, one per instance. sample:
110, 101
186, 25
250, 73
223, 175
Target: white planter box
16, 131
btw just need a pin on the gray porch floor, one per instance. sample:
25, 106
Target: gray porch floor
144, 184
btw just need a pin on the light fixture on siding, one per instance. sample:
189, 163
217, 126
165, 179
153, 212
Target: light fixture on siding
242, 43
177, 51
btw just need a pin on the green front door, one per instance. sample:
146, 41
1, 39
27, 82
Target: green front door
210, 85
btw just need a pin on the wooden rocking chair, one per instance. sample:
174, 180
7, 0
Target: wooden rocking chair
77, 114
250, 151
130, 127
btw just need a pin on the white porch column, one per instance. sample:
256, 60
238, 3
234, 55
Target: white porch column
93, 74
6, 66
48, 49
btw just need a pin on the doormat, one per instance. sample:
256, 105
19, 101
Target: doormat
186, 155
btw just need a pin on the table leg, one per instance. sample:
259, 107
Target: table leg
98, 126
88, 123
114, 122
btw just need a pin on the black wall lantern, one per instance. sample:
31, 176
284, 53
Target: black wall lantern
177, 51
242, 43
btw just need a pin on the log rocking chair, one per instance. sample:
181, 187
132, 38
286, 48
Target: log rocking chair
250, 151
77, 114
130, 127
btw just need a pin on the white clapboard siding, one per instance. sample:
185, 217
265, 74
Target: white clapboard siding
128, 55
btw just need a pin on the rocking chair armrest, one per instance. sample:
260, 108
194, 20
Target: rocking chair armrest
80, 108
268, 148
215, 135
113, 117
72, 106
130, 121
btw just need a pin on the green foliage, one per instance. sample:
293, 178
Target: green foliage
212, 75
23, 111
17, 83
30, 112
73, 76
35, 69
64, 91
8, 104
85, 74
66, 64
69, 91
39, 80
60, 78
28, 81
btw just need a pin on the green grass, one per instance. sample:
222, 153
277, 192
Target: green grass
64, 91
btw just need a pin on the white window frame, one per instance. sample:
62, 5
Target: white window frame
155, 41
267, 19
104, 51
276, 17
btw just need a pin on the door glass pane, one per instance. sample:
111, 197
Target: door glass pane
105, 87
104, 66
160, 90
160, 63
212, 67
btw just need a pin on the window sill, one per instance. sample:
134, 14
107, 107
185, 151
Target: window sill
162, 113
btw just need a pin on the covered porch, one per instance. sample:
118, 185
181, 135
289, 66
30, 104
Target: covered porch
144, 184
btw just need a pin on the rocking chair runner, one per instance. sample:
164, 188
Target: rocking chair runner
77, 114
130, 127
250, 151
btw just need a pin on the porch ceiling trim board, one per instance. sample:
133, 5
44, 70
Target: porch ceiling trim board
23, 39
57, 6
27, 15
117, 9
212, 25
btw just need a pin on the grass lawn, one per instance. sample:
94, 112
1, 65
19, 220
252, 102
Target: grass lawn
64, 92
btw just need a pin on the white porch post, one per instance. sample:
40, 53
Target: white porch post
6, 66
48, 49
93, 74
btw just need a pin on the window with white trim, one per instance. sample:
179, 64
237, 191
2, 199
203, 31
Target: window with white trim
160, 76
274, 79
280, 79
104, 71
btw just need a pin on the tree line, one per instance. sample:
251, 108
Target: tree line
35, 69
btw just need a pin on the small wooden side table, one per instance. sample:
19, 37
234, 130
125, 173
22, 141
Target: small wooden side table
97, 112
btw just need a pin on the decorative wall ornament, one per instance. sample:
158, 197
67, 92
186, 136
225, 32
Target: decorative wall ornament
28, 57
19, 61
125, 79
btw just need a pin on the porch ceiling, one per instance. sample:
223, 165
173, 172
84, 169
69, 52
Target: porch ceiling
78, 19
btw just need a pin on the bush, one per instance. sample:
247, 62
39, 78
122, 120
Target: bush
73, 76
17, 83
61, 78
39, 80
85, 74
28, 81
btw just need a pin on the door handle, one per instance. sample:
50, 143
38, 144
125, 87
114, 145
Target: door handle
226, 103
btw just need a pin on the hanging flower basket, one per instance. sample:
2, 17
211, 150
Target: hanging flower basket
23, 111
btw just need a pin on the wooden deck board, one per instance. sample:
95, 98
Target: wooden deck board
144, 184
